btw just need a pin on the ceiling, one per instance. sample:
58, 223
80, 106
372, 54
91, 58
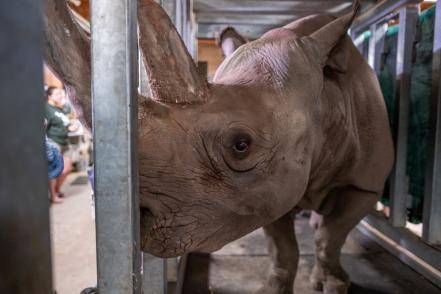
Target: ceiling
252, 18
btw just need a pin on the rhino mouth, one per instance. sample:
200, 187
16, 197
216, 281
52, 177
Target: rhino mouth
170, 235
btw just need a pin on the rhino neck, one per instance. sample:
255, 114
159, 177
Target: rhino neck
335, 140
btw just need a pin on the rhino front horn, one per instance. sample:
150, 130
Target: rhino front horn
172, 72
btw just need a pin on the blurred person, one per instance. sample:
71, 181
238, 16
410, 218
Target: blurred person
58, 127
55, 167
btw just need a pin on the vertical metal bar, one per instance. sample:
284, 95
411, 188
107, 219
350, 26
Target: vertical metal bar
372, 42
179, 13
25, 251
376, 46
399, 184
185, 22
193, 42
154, 275
114, 81
432, 197
170, 7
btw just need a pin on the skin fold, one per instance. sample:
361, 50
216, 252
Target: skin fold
294, 120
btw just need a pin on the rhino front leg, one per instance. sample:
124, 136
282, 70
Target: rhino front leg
331, 230
284, 256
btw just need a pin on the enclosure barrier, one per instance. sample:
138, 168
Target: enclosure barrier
24, 206
26, 269
116, 71
422, 254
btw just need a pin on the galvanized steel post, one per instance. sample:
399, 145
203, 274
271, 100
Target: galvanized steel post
25, 251
376, 45
193, 29
432, 197
399, 183
170, 7
114, 83
179, 17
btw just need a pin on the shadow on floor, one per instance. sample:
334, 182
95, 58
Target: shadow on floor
241, 266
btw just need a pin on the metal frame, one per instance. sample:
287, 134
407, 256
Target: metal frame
25, 252
399, 184
392, 234
252, 18
114, 80
404, 245
376, 45
432, 197
378, 12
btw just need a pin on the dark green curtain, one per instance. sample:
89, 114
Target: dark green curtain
419, 104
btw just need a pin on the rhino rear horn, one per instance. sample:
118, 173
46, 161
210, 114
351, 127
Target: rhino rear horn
67, 54
172, 73
328, 37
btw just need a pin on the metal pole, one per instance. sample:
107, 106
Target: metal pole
185, 23
154, 275
379, 12
114, 83
25, 251
154, 280
432, 197
376, 45
399, 183
170, 7
193, 31
179, 16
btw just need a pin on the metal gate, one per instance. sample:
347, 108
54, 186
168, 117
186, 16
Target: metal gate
422, 254
24, 220
24, 205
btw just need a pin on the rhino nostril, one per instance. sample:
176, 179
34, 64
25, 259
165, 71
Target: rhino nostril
145, 212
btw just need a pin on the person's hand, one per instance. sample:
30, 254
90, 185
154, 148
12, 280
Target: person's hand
73, 127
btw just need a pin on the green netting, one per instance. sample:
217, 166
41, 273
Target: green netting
419, 104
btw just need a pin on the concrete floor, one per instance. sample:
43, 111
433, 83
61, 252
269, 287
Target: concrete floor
73, 238
240, 267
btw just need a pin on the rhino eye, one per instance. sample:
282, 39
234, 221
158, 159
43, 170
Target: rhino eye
237, 147
241, 147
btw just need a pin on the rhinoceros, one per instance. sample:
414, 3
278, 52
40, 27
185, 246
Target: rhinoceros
292, 121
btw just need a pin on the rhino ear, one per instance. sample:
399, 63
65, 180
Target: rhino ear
332, 40
172, 73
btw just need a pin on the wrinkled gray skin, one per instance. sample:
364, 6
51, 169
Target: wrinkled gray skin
294, 120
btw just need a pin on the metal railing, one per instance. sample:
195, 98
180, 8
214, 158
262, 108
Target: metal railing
422, 254
24, 204
115, 62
